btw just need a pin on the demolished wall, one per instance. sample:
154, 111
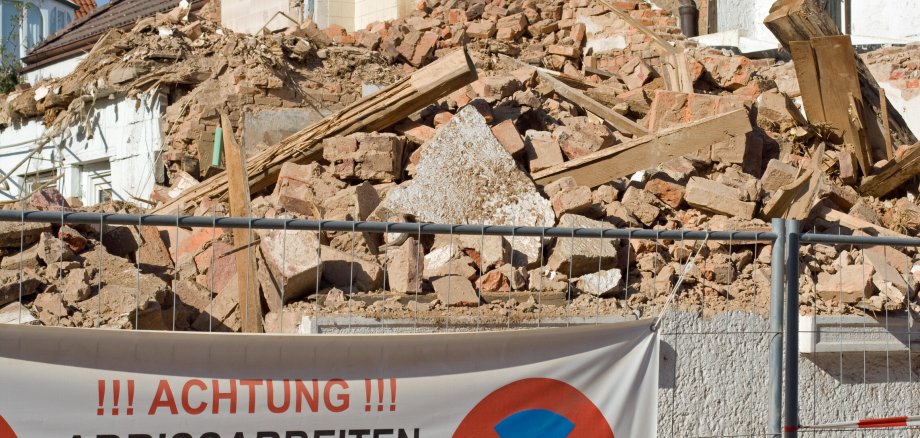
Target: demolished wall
546, 106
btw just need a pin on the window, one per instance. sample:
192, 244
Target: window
57, 20
52, 21
34, 181
62, 19
35, 26
96, 183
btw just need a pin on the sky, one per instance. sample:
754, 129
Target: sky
101, 2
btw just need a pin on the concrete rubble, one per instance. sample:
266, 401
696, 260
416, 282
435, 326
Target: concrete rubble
470, 158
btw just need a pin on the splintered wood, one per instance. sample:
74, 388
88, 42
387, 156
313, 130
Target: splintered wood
802, 20
826, 69
642, 153
375, 112
250, 303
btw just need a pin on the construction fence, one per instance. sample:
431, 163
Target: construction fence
770, 354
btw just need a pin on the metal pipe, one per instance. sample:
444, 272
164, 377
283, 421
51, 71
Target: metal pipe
689, 18
858, 240
792, 330
777, 283
372, 227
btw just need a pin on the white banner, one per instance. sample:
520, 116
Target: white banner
591, 381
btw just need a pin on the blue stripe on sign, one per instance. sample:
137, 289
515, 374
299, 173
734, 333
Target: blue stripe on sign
534, 423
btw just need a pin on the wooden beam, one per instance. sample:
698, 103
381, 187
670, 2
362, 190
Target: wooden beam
615, 119
680, 64
779, 204
806, 71
250, 303
886, 126
802, 20
676, 72
893, 176
372, 113
646, 152
858, 131
853, 223
837, 77
805, 199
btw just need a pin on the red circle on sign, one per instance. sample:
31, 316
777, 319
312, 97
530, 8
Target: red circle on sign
5, 430
529, 394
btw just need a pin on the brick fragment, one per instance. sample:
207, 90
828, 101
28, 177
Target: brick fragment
717, 198
405, 266
777, 175
850, 284
542, 150
455, 290
507, 134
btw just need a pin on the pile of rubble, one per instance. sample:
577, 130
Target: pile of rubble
200, 70
900, 66
572, 122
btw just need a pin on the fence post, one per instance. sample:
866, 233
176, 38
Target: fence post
792, 330
777, 283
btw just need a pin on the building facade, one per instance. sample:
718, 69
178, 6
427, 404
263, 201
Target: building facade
26, 23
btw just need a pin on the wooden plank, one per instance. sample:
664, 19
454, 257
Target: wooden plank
805, 199
250, 304
372, 113
837, 78
806, 71
801, 20
886, 125
676, 73
894, 176
848, 173
863, 154
615, 119
646, 152
782, 200
685, 84
853, 223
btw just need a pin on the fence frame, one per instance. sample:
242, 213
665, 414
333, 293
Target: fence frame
785, 235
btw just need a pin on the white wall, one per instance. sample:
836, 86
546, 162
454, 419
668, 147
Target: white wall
886, 21
125, 133
908, 104
874, 21
250, 16
369, 11
338, 12
747, 16
54, 71
713, 378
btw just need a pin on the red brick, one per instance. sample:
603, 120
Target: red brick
193, 243
481, 29
509, 138
334, 31
442, 118
668, 192
670, 108
424, 48
567, 51
415, 132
